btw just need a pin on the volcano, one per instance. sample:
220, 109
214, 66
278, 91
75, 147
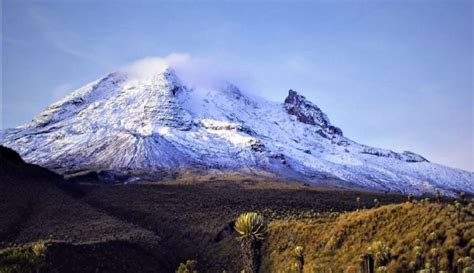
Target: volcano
125, 128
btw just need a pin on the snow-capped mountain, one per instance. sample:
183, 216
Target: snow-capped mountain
153, 126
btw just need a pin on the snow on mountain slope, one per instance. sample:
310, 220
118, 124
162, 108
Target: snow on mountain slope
151, 126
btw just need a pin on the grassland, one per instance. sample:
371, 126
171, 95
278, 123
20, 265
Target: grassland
336, 243
153, 227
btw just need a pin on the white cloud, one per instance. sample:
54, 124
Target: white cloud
150, 66
197, 73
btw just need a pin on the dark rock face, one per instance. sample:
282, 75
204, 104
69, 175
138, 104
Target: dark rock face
335, 130
280, 157
413, 157
257, 146
308, 113
304, 110
405, 156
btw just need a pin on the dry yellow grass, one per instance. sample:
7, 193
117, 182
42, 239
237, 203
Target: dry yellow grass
336, 244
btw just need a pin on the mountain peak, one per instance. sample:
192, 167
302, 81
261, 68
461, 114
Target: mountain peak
308, 112
170, 74
293, 93
154, 125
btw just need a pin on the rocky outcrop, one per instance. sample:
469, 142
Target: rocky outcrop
405, 156
308, 113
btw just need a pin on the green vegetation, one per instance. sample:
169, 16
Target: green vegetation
251, 229
438, 195
393, 238
410, 197
462, 198
306, 229
299, 255
407, 237
381, 253
188, 267
376, 203
28, 258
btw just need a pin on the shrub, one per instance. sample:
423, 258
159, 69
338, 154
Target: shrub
433, 238
418, 256
458, 207
188, 267
23, 259
438, 195
299, 255
250, 225
251, 229
410, 197
462, 197
381, 253
39, 248
434, 252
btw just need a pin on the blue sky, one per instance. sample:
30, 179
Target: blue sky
392, 74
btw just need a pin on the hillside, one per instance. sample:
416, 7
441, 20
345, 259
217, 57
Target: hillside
332, 240
152, 227
337, 243
37, 204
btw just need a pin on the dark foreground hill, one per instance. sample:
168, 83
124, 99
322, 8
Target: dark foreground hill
49, 224
37, 204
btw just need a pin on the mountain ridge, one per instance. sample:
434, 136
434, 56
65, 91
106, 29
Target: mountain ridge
155, 125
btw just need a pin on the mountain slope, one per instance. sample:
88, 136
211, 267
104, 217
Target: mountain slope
337, 243
153, 126
38, 204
